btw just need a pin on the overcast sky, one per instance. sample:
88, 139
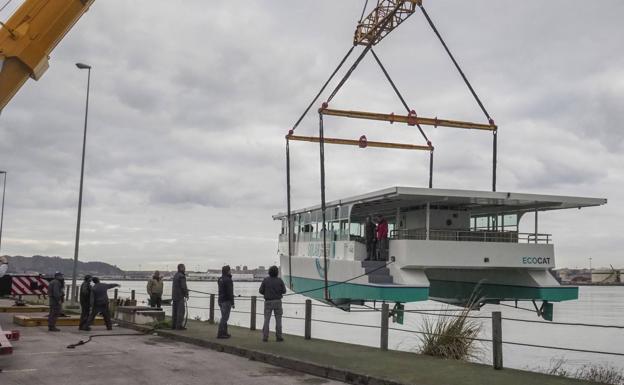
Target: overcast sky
190, 104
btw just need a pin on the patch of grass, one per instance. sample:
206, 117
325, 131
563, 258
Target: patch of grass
166, 324
452, 335
599, 373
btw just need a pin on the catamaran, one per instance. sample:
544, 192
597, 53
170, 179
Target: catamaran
444, 245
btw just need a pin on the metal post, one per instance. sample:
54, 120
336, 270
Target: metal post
322, 157
252, 321
2, 214
132, 295
497, 340
289, 231
212, 309
536, 226
427, 220
308, 319
494, 156
84, 144
116, 294
431, 169
385, 314
67, 294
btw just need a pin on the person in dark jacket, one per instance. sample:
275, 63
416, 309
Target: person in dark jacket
272, 288
56, 297
179, 292
382, 238
370, 234
226, 300
99, 302
85, 302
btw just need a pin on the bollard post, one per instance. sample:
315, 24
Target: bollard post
116, 294
252, 321
67, 294
212, 306
497, 340
75, 292
308, 319
385, 315
132, 295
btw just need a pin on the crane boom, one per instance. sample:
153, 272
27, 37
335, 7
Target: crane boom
28, 38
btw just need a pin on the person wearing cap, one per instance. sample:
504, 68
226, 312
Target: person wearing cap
56, 298
85, 303
99, 302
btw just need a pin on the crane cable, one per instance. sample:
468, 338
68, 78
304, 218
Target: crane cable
5, 5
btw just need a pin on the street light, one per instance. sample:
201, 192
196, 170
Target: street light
84, 144
2, 214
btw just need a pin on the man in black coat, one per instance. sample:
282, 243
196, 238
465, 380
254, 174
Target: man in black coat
56, 297
226, 300
85, 302
99, 302
179, 292
272, 288
370, 231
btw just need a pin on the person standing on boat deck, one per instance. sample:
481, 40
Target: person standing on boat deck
272, 288
56, 297
382, 238
155, 290
85, 302
226, 300
99, 302
370, 231
179, 293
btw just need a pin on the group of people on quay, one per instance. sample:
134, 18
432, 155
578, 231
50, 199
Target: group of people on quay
94, 300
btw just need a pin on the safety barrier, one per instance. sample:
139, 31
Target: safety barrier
384, 327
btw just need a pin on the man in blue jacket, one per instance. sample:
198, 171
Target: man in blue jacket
226, 300
272, 288
99, 302
56, 297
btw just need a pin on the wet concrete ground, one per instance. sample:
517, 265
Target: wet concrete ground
41, 358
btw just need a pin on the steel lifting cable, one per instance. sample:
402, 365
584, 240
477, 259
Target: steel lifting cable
461, 72
396, 90
5, 5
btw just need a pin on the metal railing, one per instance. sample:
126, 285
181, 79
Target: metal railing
472, 236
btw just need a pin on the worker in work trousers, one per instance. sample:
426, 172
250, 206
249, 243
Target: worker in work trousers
155, 290
56, 297
85, 302
272, 288
226, 300
99, 302
179, 293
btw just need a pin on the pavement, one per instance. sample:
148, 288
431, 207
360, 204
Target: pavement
42, 358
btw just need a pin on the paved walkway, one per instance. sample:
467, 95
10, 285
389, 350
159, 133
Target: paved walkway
358, 364
41, 358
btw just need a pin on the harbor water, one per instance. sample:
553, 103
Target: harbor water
596, 305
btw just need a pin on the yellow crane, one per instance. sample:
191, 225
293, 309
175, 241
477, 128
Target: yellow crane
29, 36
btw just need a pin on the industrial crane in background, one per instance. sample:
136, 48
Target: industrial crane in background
28, 38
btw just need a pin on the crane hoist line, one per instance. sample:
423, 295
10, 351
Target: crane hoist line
28, 38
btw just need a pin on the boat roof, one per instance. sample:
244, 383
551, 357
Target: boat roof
476, 201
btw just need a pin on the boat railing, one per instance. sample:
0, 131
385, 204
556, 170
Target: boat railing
316, 236
472, 236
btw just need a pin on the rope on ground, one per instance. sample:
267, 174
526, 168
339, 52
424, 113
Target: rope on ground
82, 342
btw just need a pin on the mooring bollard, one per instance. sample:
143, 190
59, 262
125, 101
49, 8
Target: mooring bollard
116, 293
308, 319
497, 340
212, 306
252, 321
385, 314
132, 295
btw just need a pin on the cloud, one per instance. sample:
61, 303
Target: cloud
190, 104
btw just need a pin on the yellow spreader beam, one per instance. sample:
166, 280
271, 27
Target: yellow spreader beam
28, 38
360, 143
411, 120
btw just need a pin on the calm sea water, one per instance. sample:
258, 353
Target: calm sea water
596, 305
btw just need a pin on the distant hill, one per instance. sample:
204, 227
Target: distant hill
50, 265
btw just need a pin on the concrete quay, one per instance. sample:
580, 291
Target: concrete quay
42, 358
354, 364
